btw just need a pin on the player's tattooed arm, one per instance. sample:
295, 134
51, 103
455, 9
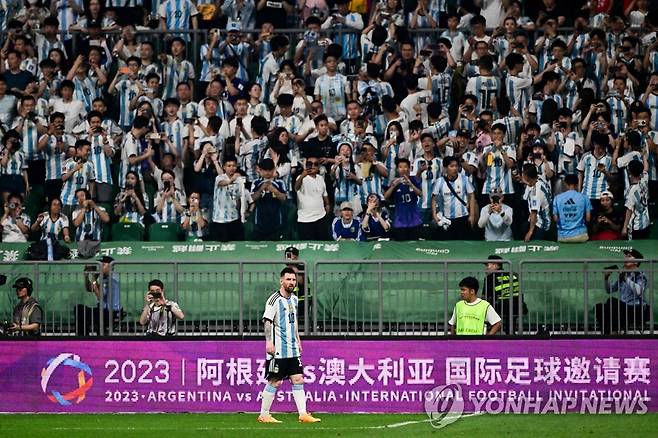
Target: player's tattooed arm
268, 331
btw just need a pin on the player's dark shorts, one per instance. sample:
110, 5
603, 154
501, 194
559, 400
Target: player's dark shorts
280, 369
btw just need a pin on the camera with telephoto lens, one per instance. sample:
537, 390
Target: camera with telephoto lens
12, 206
156, 295
4, 328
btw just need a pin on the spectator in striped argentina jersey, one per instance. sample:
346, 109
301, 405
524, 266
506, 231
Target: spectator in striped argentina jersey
149, 93
453, 198
497, 162
177, 14
176, 69
629, 148
348, 22
176, 134
194, 221
594, 170
130, 204
650, 100
86, 86
269, 66
13, 166
439, 77
30, 127
539, 220
466, 116
88, 217
427, 168
125, 82
53, 223
371, 172
619, 105
637, 223
170, 200
102, 153
78, 174
54, 144
518, 87
226, 224
549, 91
14, 224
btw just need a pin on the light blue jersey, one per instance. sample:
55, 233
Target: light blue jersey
127, 90
651, 102
371, 183
449, 205
169, 214
497, 174
637, 197
100, 160
282, 313
518, 91
209, 68
30, 137
91, 227
86, 90
16, 164
332, 91
225, 200
79, 180
177, 132
594, 180
618, 114
53, 227
177, 15
486, 89
537, 202
428, 179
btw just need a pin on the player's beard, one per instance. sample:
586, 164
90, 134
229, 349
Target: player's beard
290, 289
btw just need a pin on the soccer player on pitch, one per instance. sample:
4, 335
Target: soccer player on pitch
284, 349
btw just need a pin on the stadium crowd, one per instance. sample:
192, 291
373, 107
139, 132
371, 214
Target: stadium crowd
418, 119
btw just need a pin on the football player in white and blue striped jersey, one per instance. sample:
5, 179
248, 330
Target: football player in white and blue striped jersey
283, 348
637, 223
78, 174
176, 15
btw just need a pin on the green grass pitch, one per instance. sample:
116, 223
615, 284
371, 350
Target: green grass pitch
334, 425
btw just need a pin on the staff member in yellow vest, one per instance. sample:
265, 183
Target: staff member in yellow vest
472, 314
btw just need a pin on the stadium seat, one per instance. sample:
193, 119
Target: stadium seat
127, 232
165, 232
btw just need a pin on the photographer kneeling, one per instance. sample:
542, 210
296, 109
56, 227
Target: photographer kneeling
159, 314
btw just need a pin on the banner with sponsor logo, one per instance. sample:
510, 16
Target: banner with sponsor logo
542, 376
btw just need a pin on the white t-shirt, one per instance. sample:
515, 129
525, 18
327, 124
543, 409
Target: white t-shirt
492, 317
74, 112
310, 200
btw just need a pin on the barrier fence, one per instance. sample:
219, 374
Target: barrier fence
342, 298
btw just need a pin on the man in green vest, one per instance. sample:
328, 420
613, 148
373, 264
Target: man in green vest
472, 314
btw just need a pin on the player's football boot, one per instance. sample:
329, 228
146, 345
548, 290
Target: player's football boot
308, 418
268, 419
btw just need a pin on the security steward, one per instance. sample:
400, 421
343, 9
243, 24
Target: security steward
27, 315
472, 315
499, 288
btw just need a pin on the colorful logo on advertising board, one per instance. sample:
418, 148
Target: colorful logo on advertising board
85, 380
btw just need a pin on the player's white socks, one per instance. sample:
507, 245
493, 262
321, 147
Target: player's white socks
268, 397
300, 398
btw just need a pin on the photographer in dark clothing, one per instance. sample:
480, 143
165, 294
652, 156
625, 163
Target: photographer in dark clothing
27, 314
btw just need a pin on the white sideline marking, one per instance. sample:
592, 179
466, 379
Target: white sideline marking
386, 426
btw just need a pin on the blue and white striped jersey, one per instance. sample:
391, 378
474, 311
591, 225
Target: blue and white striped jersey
209, 68
91, 226
55, 157
538, 202
250, 151
344, 189
225, 200
441, 88
267, 74
485, 88
618, 113
175, 71
127, 90
30, 138
623, 161
581, 41
428, 179
513, 127
346, 35
86, 90
653, 171
177, 132
292, 124
242, 51
594, 181
447, 203
536, 106
67, 16
169, 213
651, 102
79, 180
636, 200
44, 46
100, 160
497, 175
15, 165
332, 91
131, 147
53, 228
518, 91
177, 15
373, 182
282, 313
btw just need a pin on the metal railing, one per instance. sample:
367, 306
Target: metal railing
343, 298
